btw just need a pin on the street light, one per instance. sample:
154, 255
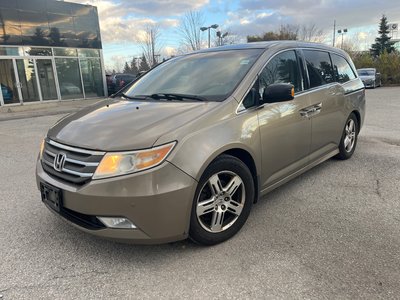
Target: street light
215, 26
342, 32
220, 36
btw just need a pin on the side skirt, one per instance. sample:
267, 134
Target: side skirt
299, 172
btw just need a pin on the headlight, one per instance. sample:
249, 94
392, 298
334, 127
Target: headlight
114, 164
41, 149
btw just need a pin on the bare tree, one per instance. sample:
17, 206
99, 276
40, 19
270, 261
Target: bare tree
150, 44
189, 29
310, 33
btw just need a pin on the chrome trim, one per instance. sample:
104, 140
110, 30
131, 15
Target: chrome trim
68, 171
50, 153
78, 162
73, 149
74, 161
304, 91
77, 173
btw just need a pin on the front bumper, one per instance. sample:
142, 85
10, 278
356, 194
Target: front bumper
158, 201
368, 83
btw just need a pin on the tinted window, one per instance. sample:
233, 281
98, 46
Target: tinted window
32, 5
48, 23
9, 17
283, 68
319, 67
343, 71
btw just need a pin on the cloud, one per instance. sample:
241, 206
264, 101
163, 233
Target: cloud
123, 21
150, 7
354, 13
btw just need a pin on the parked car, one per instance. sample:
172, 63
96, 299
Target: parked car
188, 148
118, 81
68, 88
370, 77
7, 93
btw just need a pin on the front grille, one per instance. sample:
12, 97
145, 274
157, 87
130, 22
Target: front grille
79, 166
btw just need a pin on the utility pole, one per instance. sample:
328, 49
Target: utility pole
334, 32
342, 32
215, 26
152, 47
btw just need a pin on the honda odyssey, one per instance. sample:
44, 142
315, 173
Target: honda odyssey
186, 149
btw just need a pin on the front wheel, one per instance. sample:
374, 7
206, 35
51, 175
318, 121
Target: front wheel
349, 138
222, 202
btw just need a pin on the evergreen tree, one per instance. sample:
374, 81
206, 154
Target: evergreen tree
127, 69
134, 68
383, 42
144, 66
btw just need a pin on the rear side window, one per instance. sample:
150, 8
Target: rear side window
319, 67
282, 68
341, 68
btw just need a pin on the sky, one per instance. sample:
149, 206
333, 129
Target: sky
122, 22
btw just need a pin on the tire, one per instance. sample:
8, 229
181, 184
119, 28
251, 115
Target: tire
349, 138
222, 202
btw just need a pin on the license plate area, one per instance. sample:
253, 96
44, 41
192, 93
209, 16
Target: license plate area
51, 196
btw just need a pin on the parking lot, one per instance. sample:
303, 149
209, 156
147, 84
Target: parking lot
334, 232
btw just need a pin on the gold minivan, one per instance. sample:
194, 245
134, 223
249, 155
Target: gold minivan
187, 148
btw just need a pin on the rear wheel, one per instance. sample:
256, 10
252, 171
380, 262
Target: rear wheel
223, 201
349, 138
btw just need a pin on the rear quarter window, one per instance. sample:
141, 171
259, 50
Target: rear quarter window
319, 67
341, 68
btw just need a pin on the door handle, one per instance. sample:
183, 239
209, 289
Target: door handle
311, 110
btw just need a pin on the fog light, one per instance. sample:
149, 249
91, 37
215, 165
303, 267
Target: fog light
116, 222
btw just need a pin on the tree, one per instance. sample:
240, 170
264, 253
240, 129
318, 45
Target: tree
189, 30
285, 32
133, 66
382, 42
127, 69
311, 33
143, 66
150, 44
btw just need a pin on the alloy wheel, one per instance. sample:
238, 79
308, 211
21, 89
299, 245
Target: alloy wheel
350, 135
220, 201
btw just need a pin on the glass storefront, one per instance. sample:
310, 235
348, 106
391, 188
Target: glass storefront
46, 79
49, 23
69, 78
33, 74
7, 80
92, 79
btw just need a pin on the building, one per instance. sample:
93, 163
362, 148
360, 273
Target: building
49, 50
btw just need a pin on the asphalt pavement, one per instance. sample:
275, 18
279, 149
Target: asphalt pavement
332, 233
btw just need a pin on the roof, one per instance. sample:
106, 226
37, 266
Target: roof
269, 44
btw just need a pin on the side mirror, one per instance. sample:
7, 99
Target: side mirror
278, 92
377, 73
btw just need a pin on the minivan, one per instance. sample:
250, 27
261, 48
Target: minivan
186, 149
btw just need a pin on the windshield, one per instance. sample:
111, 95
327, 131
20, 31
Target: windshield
366, 72
210, 75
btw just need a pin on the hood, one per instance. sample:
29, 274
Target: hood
119, 125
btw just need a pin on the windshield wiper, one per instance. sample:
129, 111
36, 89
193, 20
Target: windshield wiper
174, 96
140, 97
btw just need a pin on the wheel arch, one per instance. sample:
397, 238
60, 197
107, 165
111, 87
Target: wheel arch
358, 117
244, 156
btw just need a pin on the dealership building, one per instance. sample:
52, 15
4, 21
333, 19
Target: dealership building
49, 51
